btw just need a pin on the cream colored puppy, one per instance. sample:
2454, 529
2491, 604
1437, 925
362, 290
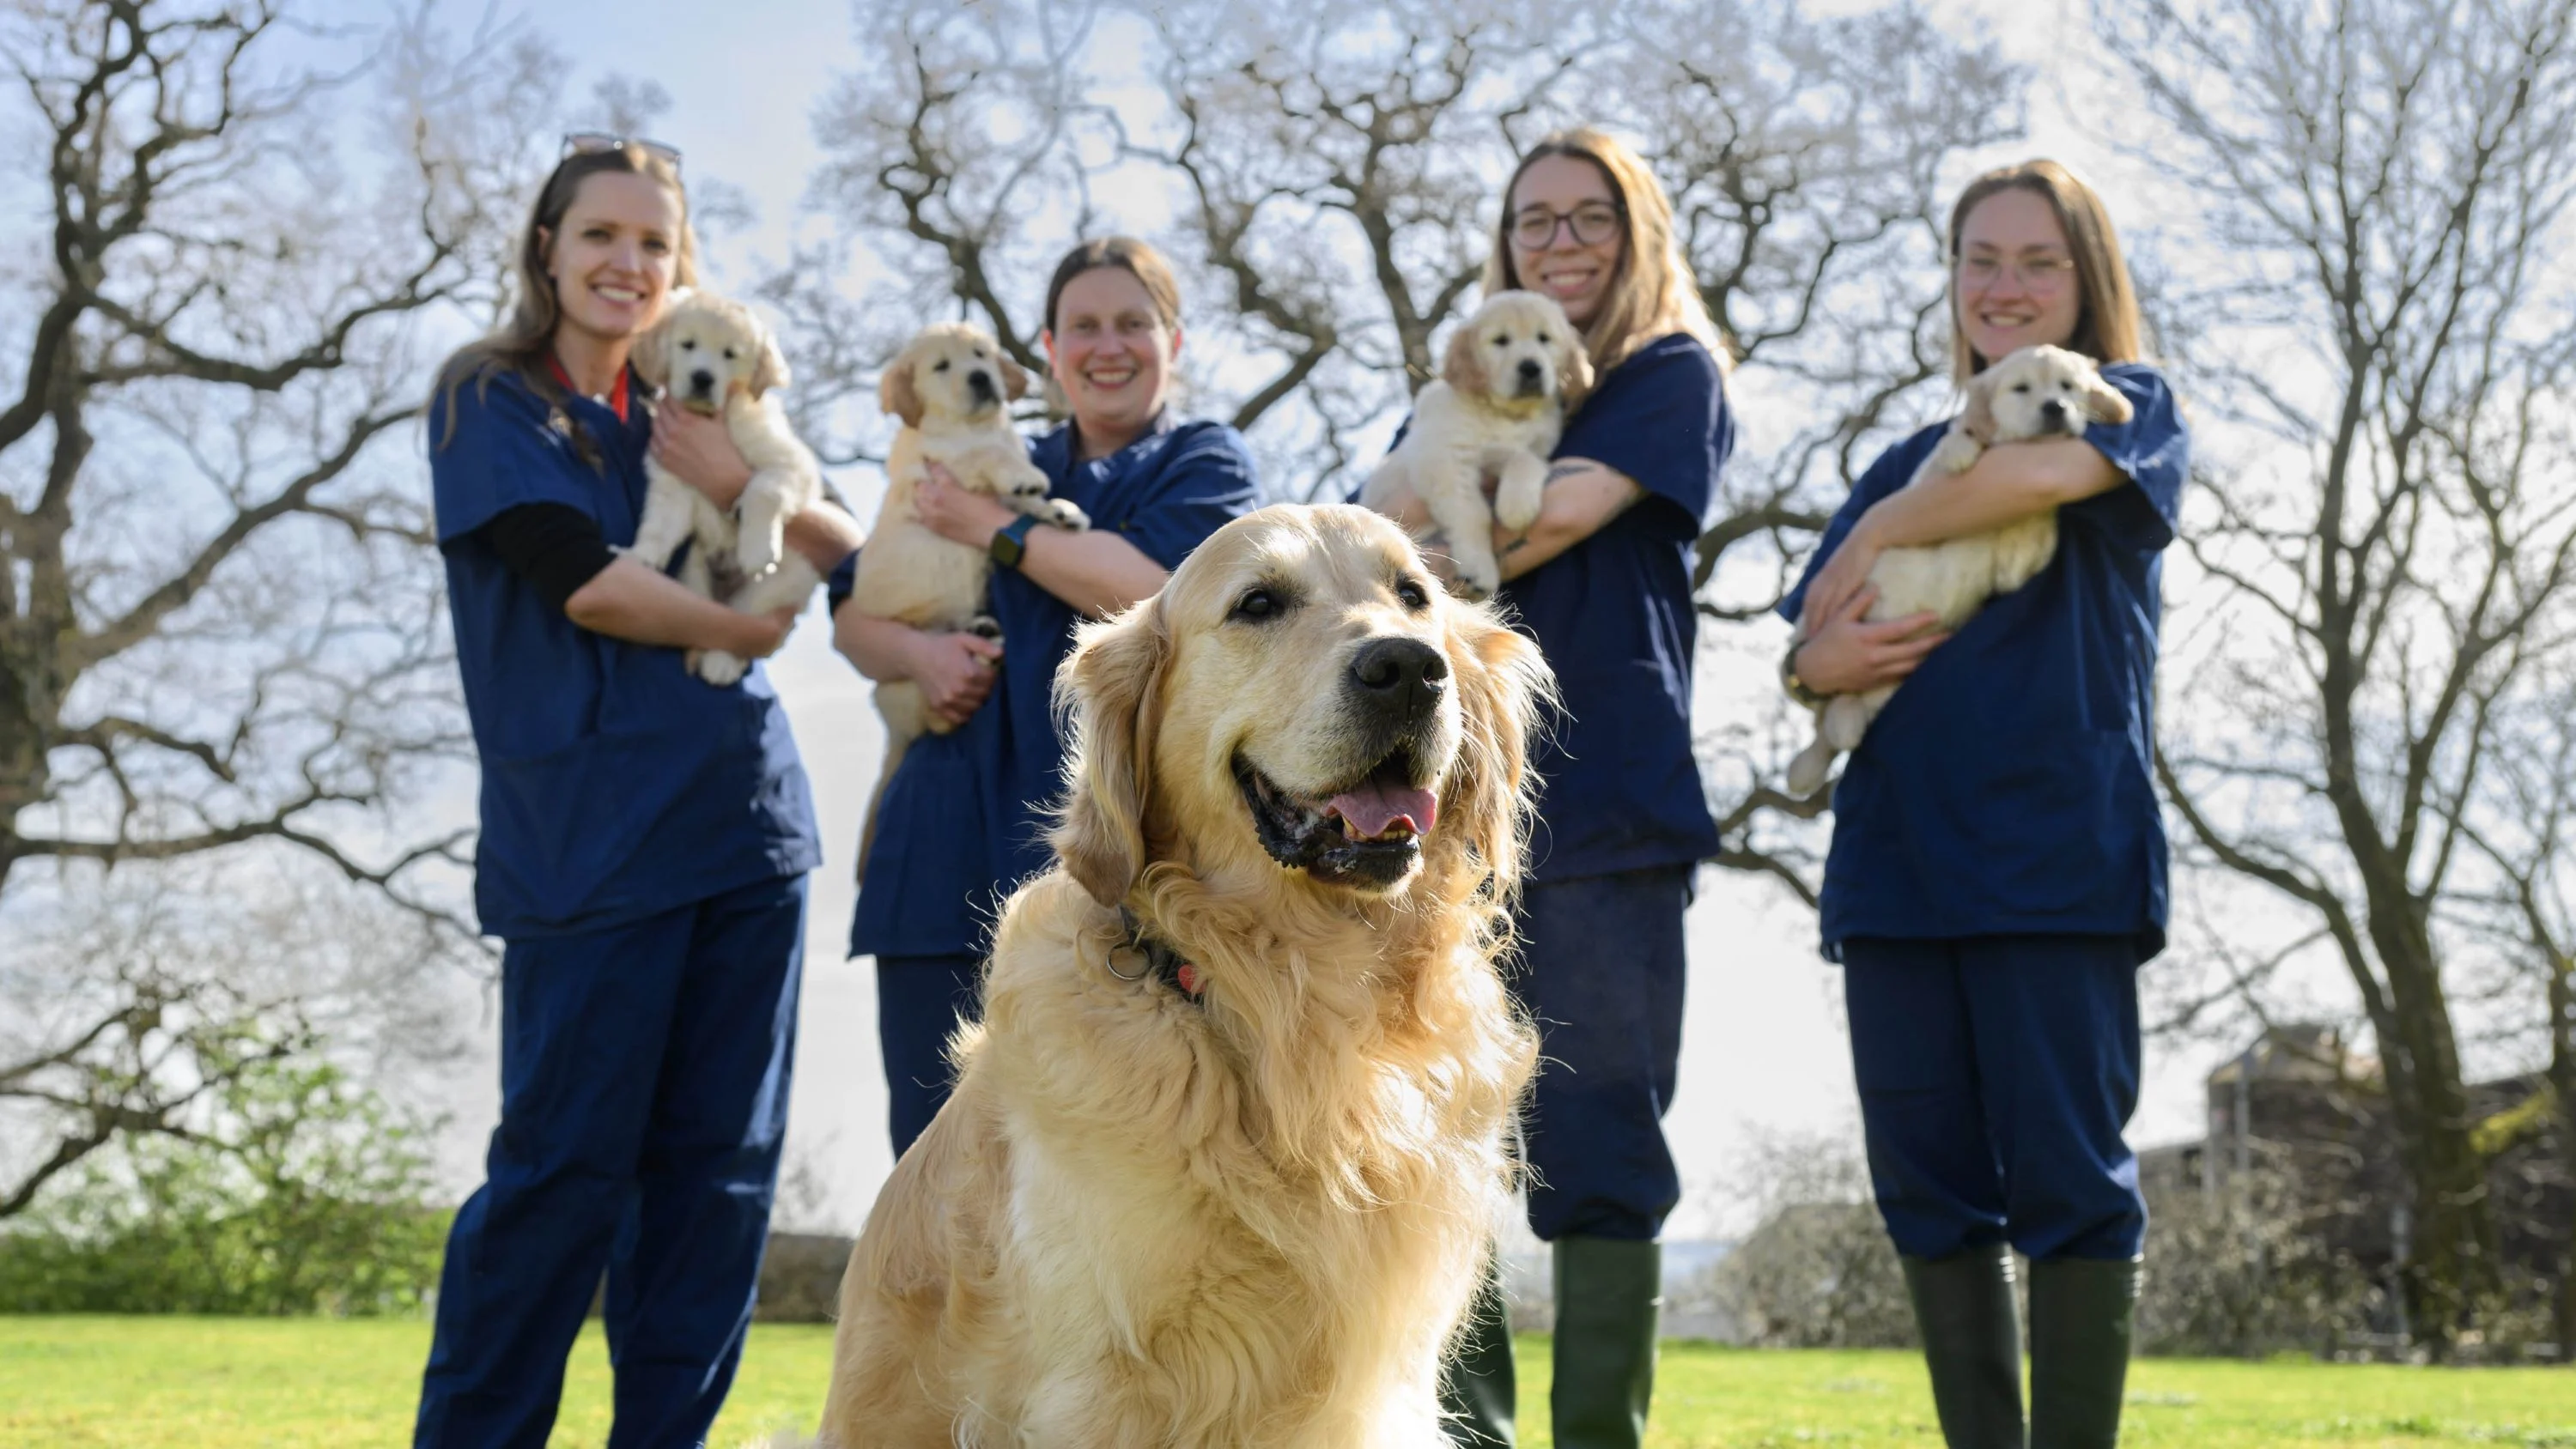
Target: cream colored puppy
1226, 1154
715, 358
2037, 392
1511, 374
950, 386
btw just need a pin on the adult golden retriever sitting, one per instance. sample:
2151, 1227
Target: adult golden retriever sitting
1226, 1154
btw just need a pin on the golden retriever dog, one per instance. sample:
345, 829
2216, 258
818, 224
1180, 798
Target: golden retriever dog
715, 358
2037, 392
1226, 1154
951, 386
1511, 374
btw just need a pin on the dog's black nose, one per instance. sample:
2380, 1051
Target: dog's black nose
1529, 369
702, 381
1402, 675
980, 383
2053, 412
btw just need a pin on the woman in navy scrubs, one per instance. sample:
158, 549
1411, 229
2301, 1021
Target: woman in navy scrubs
1602, 581
643, 855
963, 820
1997, 873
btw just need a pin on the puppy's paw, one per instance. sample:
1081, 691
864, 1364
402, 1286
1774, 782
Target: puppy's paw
1475, 582
1065, 514
717, 667
757, 553
1807, 772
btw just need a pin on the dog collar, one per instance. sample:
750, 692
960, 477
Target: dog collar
1161, 961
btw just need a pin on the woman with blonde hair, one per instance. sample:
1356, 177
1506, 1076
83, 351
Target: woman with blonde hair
1602, 580
1997, 873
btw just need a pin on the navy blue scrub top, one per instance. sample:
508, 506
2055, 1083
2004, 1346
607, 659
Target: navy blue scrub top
1619, 787
964, 819
615, 784
2007, 789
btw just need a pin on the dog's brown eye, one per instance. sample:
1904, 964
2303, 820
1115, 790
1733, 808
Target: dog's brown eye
1256, 605
940, 366
2021, 387
1412, 594
732, 353
1503, 341
688, 344
1542, 337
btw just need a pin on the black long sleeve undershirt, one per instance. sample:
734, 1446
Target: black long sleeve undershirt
554, 546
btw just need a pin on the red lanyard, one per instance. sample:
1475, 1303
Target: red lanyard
616, 393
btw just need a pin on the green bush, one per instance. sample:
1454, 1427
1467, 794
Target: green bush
309, 1195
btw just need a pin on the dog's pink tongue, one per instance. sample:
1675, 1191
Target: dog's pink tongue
1373, 809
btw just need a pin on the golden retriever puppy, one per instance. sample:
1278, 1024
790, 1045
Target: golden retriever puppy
715, 358
1511, 374
2037, 392
951, 387
1226, 1155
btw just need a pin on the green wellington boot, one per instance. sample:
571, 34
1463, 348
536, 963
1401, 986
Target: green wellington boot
2081, 1312
1971, 1328
1477, 1390
1608, 1292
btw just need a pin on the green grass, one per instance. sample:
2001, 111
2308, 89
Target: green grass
144, 1383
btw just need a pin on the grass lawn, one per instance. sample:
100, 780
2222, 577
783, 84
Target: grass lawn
144, 1383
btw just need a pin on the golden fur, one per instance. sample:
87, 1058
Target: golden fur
1253, 1218
713, 356
910, 574
1512, 372
2007, 403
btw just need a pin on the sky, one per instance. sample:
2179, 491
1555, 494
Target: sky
1764, 1051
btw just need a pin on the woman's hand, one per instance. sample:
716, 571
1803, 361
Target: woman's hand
1844, 575
700, 452
955, 672
956, 514
1849, 655
764, 634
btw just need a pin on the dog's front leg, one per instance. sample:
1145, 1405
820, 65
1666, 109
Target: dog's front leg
669, 508
1451, 490
763, 508
1523, 489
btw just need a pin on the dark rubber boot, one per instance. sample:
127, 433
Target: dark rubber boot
1477, 1390
1608, 1293
1971, 1328
2081, 1312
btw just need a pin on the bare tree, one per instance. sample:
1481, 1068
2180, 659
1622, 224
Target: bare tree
2385, 184
1328, 177
220, 615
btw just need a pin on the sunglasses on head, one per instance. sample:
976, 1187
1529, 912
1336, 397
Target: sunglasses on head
583, 143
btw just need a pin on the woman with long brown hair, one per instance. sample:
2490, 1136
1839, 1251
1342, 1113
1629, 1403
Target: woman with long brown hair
645, 838
1997, 873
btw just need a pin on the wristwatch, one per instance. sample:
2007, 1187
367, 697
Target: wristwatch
1011, 541
1789, 680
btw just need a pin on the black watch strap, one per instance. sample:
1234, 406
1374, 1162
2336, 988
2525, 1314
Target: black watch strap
1011, 540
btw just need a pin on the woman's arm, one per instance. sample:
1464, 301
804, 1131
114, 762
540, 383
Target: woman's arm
955, 671
628, 601
1581, 498
2004, 485
825, 535
1095, 572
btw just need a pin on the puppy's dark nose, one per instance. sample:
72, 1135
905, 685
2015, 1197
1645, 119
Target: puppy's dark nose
2053, 413
702, 381
1529, 369
1402, 676
980, 383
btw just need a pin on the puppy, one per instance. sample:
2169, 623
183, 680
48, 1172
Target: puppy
1511, 374
950, 386
1226, 1155
713, 357
2037, 392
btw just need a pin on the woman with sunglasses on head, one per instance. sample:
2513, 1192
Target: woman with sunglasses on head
1602, 580
645, 838
964, 818
1997, 873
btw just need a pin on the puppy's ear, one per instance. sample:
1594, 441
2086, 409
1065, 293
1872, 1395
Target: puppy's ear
1112, 686
896, 392
1015, 378
1463, 366
2104, 403
1979, 419
1574, 377
651, 356
771, 370
1504, 692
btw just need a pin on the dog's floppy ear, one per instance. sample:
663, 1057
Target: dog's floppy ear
651, 357
896, 392
2104, 403
1463, 365
1504, 692
771, 371
1112, 686
1979, 419
1015, 378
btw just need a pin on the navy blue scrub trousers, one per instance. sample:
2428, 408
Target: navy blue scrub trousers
920, 1001
644, 1076
1996, 1074
1602, 970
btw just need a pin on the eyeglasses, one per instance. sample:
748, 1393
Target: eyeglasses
2038, 274
584, 143
1593, 223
